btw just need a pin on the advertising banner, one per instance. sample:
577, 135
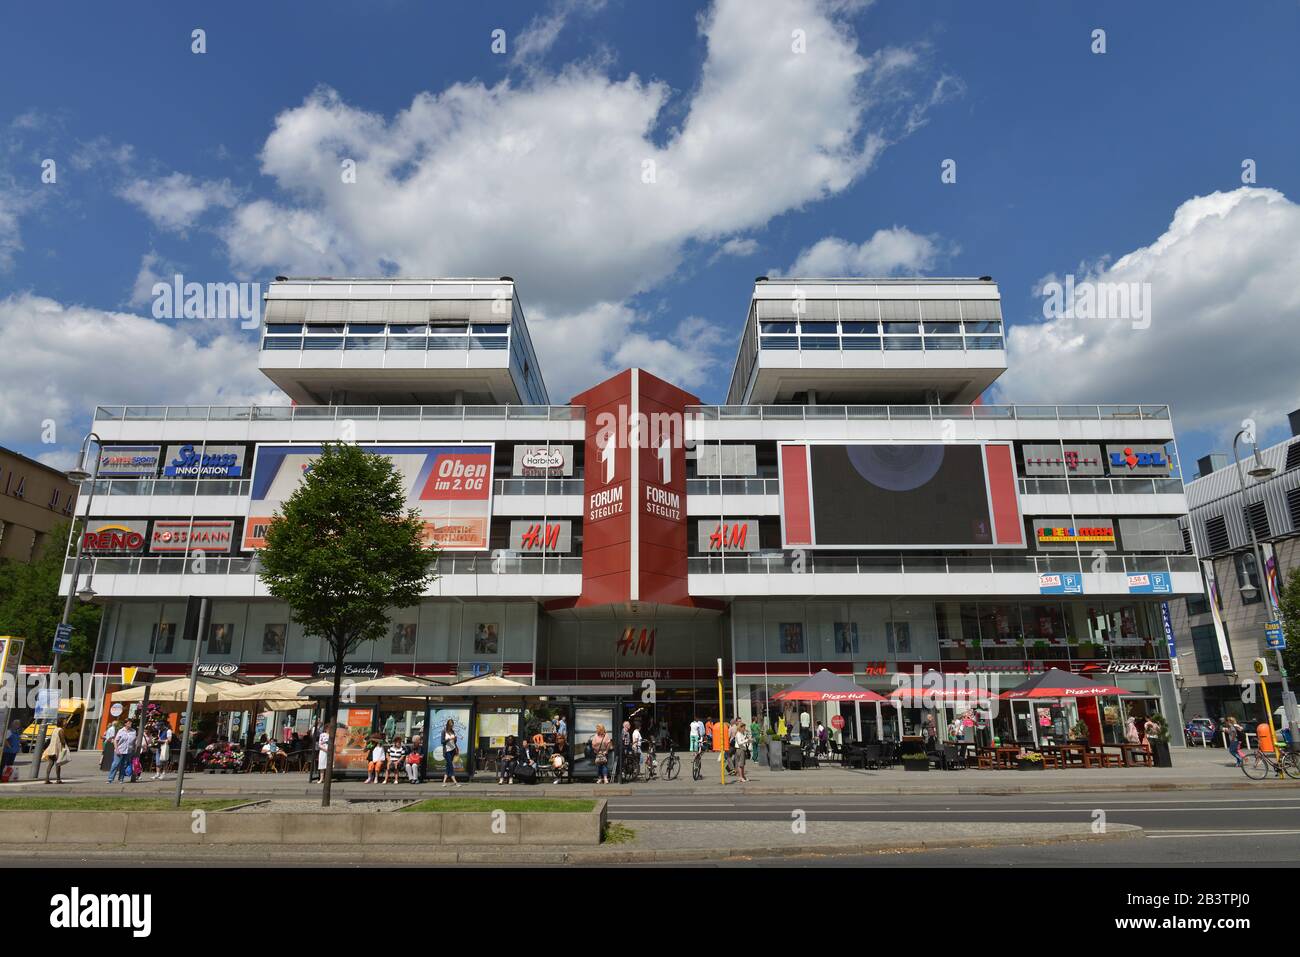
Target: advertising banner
869, 495
116, 461
1167, 623
1270, 576
1150, 583
212, 536
114, 535
438, 718
212, 461
1057, 460
1212, 591
549, 461
449, 485
1137, 460
1060, 583
1054, 534
352, 738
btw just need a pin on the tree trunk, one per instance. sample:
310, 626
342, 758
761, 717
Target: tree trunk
340, 652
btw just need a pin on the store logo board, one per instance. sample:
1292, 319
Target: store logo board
1060, 583
114, 535
1108, 666
1058, 460
1170, 642
355, 670
171, 537
449, 485
1053, 534
548, 461
119, 461
899, 495
1150, 583
212, 461
218, 669
1137, 460
730, 535
534, 537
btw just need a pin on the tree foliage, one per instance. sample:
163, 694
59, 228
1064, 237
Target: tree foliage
1290, 601
30, 607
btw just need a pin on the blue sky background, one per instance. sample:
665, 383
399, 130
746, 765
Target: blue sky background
1064, 158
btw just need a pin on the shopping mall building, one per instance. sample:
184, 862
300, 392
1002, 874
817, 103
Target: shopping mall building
853, 506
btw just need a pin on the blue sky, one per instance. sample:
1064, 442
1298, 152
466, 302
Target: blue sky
220, 166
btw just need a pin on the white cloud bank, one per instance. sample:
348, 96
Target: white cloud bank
888, 252
1224, 335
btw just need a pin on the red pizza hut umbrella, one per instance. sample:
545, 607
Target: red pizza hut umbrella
1055, 683
825, 686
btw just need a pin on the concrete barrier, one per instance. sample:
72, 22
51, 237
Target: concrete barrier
416, 828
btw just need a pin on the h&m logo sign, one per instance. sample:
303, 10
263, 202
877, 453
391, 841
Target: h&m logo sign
636, 641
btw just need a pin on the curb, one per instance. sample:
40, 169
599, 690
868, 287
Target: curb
403, 855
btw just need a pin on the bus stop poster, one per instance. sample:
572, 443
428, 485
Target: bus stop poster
438, 718
352, 738
450, 486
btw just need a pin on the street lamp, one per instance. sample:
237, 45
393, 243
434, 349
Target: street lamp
79, 474
1260, 471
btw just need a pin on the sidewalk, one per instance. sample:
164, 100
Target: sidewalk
654, 841
1193, 769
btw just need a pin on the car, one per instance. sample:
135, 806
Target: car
71, 713
1198, 728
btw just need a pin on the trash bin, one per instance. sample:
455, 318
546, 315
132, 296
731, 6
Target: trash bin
774, 756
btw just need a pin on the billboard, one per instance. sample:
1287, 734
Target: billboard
895, 495
449, 485
116, 461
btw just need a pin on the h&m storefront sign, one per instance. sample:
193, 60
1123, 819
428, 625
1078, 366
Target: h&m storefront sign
1137, 460
727, 536
534, 537
214, 461
550, 461
1058, 460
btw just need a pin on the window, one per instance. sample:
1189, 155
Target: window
1198, 605
1247, 576
1206, 645
899, 310
1256, 516
1293, 506
1216, 534
1293, 456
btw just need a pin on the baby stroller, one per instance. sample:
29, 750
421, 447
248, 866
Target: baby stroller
559, 766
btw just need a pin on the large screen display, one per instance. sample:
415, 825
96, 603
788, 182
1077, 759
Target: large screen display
895, 495
449, 485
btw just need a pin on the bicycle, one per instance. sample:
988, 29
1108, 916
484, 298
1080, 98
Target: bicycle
1257, 765
697, 764
672, 764
629, 767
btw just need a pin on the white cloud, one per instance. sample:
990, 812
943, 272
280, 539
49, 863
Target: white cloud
888, 252
12, 205
573, 181
176, 202
63, 360
739, 248
1222, 340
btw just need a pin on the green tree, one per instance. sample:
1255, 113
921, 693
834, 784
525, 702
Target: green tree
1290, 599
342, 552
30, 607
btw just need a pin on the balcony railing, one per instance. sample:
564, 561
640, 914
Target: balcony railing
500, 564
1102, 486
193, 487
933, 413
831, 564
318, 413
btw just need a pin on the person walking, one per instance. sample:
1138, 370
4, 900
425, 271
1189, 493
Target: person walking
55, 756
1233, 733
697, 733
123, 748
13, 744
106, 758
449, 751
162, 750
600, 744
741, 741
313, 736
1131, 731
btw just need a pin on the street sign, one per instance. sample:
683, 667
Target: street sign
1274, 637
47, 705
837, 722
62, 638
133, 674
1261, 667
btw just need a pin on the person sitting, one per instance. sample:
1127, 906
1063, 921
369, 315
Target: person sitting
414, 760
507, 757
396, 755
274, 756
559, 766
378, 760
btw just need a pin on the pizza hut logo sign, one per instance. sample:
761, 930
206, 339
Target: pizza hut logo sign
1122, 667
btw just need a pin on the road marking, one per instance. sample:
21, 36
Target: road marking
1158, 834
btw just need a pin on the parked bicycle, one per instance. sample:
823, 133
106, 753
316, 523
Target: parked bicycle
697, 764
672, 764
1258, 765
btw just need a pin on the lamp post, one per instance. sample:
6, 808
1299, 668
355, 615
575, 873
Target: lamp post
1262, 471
80, 474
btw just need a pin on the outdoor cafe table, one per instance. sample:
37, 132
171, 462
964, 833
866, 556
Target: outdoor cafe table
1130, 755
1069, 751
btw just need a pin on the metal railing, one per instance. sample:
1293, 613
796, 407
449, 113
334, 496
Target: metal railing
828, 563
318, 413
506, 563
236, 487
1102, 486
933, 413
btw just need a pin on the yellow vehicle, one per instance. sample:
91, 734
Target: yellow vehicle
71, 713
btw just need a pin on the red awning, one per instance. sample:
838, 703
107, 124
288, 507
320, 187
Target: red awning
825, 686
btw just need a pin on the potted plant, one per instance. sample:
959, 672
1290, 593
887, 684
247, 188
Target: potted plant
1030, 761
916, 761
1159, 743
1079, 731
